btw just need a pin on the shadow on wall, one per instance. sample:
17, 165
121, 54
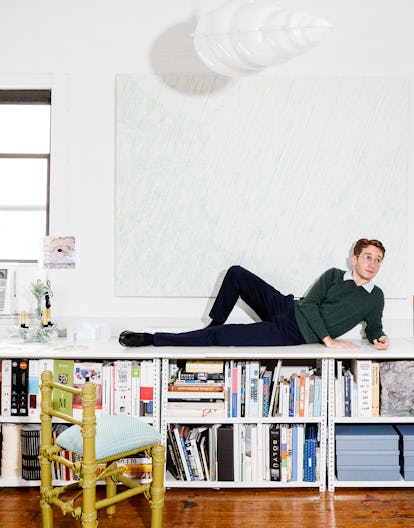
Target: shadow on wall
173, 53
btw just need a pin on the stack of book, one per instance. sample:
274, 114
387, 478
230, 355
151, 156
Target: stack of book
138, 468
245, 389
197, 390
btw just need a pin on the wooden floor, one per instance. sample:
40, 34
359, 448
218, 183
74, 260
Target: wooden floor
357, 508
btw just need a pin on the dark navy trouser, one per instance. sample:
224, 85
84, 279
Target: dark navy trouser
278, 325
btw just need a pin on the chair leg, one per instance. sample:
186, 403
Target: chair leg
45, 489
157, 490
110, 492
89, 512
46, 443
47, 514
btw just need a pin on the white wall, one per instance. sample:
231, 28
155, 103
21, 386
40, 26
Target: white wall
79, 46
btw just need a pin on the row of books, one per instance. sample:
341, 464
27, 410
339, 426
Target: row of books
138, 468
237, 389
244, 452
357, 388
122, 387
27, 465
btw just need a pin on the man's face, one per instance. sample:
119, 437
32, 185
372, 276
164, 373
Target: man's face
367, 264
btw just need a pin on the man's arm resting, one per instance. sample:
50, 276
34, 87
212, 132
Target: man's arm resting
329, 342
381, 343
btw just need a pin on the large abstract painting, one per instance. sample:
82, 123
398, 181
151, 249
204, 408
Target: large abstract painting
280, 175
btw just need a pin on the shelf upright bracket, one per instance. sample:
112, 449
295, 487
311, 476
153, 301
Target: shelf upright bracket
165, 369
157, 394
323, 426
331, 425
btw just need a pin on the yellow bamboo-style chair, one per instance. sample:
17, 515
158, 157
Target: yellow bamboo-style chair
95, 440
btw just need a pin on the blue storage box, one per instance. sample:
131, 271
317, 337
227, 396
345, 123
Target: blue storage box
406, 432
369, 473
407, 459
408, 474
367, 458
366, 437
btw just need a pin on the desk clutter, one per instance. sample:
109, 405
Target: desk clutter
40, 328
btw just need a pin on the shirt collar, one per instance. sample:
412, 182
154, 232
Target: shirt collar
369, 286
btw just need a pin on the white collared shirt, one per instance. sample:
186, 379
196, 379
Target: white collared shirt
369, 286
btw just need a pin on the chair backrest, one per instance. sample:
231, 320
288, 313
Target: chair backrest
88, 421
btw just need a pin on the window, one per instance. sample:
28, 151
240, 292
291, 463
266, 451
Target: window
24, 172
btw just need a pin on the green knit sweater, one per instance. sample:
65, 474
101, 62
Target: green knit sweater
334, 306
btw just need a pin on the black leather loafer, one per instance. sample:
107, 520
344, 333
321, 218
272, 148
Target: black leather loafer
136, 339
131, 339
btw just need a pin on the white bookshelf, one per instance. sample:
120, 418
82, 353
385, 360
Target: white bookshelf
399, 349
59, 349
309, 354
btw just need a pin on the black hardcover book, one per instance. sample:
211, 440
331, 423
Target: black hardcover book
174, 463
19, 387
274, 452
30, 445
225, 453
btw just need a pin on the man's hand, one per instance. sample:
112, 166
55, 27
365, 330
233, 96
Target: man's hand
381, 343
338, 343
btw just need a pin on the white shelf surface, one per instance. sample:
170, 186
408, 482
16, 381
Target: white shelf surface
375, 420
217, 419
230, 484
401, 483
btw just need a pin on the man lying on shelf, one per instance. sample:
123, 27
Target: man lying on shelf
337, 302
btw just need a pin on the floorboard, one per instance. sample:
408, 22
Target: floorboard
356, 508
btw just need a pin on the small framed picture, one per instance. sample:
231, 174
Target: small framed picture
59, 252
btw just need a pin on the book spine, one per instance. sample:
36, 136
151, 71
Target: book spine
348, 393
283, 452
295, 452
234, 390
363, 371
122, 387
225, 453
34, 388
254, 389
292, 395
178, 470
317, 396
147, 387
135, 389
243, 390
63, 373
6, 367
14, 398
302, 395
19, 387
375, 388
186, 456
266, 393
180, 442
23, 403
